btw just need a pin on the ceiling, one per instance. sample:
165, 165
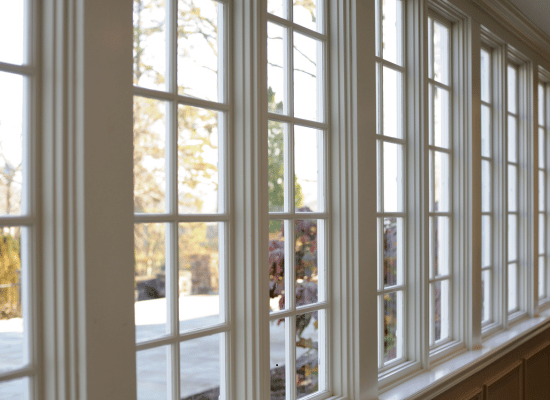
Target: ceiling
538, 11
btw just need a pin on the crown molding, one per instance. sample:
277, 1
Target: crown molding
512, 19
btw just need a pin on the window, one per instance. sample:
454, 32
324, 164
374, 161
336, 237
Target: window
298, 202
181, 130
391, 198
543, 276
489, 270
18, 201
441, 203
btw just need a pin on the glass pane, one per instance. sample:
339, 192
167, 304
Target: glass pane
306, 13
306, 262
542, 277
486, 295
393, 326
512, 287
542, 148
512, 188
13, 343
512, 238
152, 373
276, 7
150, 306
149, 155
198, 160
441, 312
512, 139
441, 173
308, 67
440, 245
486, 186
393, 177
441, 53
486, 133
200, 367
276, 165
308, 342
512, 89
441, 121
542, 191
200, 49
276, 265
17, 389
393, 102
541, 106
200, 276
379, 177
150, 69
308, 158
486, 241
12, 104
393, 251
277, 359
378, 29
392, 17
276, 69
542, 233
485, 76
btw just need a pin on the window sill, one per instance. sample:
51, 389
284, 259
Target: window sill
428, 384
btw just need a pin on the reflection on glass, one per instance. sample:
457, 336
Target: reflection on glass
486, 186
198, 160
512, 89
512, 238
486, 245
542, 191
17, 389
150, 306
276, 7
199, 274
542, 277
542, 104
277, 359
152, 373
306, 13
485, 76
149, 155
440, 293
393, 177
439, 245
542, 233
276, 265
441, 53
486, 296
393, 102
199, 49
392, 257
11, 141
276, 69
276, 165
306, 262
441, 118
392, 31
512, 287
393, 326
486, 135
512, 188
512, 139
307, 353
307, 78
378, 100
441, 178
307, 148
542, 148
13, 344
150, 44
200, 368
